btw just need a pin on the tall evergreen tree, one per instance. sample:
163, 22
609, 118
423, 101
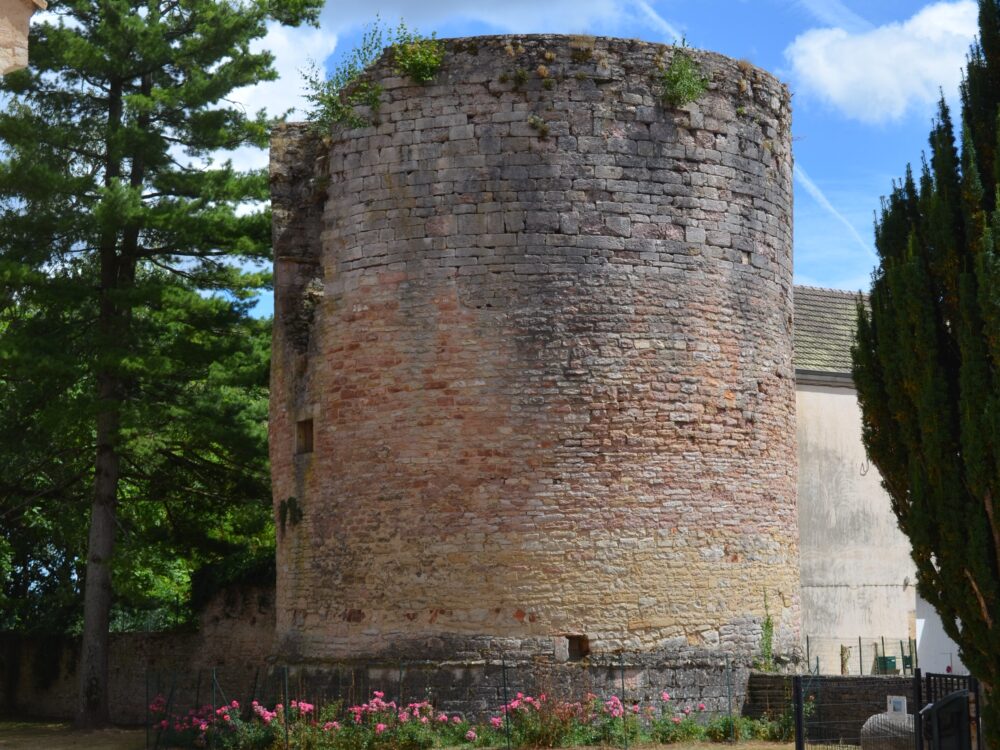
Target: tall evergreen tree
125, 261
927, 366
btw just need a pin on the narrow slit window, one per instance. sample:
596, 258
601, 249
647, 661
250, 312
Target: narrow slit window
304, 436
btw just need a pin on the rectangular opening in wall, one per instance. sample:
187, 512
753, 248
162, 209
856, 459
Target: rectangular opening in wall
579, 647
304, 436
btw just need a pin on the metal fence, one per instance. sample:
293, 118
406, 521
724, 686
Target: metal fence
863, 655
881, 712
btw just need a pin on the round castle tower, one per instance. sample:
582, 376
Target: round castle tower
532, 385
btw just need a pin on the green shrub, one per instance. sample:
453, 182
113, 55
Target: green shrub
334, 99
724, 728
416, 56
670, 729
683, 81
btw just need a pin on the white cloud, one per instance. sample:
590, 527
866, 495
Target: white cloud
835, 13
879, 74
515, 16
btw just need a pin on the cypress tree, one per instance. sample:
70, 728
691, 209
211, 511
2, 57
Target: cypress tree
927, 365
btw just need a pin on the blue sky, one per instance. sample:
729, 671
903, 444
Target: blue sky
865, 78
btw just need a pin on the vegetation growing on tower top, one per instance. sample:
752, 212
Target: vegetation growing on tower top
337, 97
683, 81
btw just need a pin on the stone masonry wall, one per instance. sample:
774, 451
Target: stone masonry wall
532, 387
39, 679
14, 17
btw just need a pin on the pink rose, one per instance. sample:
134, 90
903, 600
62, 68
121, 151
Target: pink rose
677, 720
470, 736
701, 706
379, 728
665, 695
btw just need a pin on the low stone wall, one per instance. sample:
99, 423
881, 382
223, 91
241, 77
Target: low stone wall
38, 677
477, 689
230, 657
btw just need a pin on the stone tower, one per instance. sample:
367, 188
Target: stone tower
532, 386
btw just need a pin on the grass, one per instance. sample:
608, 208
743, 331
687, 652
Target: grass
22, 735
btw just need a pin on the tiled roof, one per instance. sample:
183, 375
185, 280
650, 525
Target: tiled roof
825, 320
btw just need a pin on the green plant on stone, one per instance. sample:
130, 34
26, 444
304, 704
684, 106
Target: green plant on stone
539, 125
766, 661
416, 56
683, 81
335, 99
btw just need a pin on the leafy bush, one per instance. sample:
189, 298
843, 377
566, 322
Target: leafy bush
683, 81
416, 56
334, 99
724, 728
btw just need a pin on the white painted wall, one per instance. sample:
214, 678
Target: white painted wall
935, 650
857, 576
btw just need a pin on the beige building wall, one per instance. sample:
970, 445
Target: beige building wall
14, 18
857, 576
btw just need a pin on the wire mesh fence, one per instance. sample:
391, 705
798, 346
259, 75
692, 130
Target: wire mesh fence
914, 712
863, 655
839, 712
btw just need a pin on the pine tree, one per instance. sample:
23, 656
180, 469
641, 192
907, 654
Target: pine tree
123, 245
927, 365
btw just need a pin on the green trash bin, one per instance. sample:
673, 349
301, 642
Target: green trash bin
885, 664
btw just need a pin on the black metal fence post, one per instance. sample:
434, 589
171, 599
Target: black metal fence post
918, 719
399, 692
286, 701
148, 718
506, 700
729, 700
621, 670
800, 724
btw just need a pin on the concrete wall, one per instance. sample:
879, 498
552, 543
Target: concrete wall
857, 576
936, 650
14, 17
548, 370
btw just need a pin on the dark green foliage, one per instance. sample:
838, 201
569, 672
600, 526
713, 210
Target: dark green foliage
927, 365
134, 381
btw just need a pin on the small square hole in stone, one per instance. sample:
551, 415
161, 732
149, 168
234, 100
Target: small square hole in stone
304, 436
579, 647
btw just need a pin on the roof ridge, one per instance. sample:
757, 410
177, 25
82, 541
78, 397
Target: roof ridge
843, 292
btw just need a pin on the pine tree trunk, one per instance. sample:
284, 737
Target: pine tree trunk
94, 708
